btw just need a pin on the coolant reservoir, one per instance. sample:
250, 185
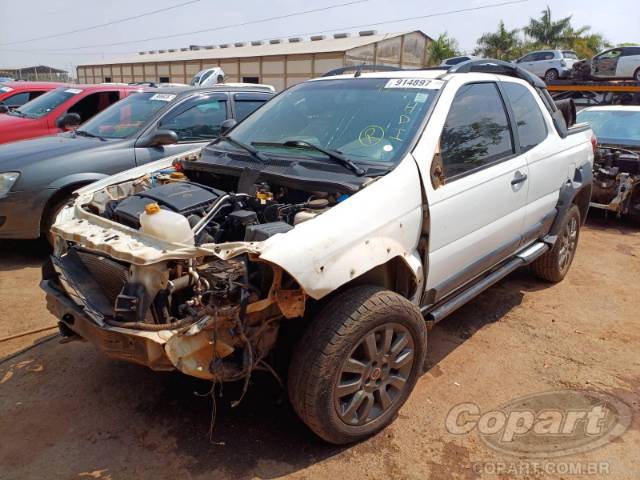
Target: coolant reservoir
166, 225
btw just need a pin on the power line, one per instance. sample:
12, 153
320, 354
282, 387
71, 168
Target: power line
351, 27
101, 25
214, 29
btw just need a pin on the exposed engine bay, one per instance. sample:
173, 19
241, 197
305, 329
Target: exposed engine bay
220, 317
616, 185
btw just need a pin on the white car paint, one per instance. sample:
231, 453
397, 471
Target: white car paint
468, 218
208, 77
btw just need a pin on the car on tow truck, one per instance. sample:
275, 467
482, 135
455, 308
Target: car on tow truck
359, 208
616, 173
38, 176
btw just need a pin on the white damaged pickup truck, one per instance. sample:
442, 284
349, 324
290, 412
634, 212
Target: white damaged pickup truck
362, 208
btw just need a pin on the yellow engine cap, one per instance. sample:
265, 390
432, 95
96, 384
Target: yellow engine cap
151, 208
177, 176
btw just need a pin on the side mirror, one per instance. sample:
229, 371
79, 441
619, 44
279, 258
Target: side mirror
4, 109
68, 121
227, 125
161, 138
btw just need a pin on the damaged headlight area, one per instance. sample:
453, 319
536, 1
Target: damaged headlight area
210, 318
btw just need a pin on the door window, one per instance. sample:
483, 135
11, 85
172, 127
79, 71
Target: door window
532, 128
477, 132
611, 54
198, 122
94, 103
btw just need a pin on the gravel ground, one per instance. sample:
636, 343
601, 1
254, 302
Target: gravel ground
68, 412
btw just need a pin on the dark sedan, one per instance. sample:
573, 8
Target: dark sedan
38, 176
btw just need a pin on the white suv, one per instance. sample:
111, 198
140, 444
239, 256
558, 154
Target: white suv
549, 64
343, 218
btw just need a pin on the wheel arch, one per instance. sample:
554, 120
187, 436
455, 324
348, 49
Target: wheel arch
64, 188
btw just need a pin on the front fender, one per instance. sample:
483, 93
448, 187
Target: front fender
76, 179
368, 229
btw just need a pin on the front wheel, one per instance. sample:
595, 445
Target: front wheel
554, 265
636, 75
357, 363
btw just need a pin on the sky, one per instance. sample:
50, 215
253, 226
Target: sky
618, 20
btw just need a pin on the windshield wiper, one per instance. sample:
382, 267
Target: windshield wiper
17, 113
335, 155
84, 133
248, 148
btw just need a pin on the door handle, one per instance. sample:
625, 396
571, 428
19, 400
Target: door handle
518, 178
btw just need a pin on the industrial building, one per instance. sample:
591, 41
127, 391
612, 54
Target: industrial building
280, 63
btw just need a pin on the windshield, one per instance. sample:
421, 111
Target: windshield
365, 119
127, 116
46, 103
196, 79
617, 127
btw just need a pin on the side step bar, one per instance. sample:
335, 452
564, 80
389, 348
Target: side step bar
434, 313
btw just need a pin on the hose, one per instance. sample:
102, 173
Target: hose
151, 327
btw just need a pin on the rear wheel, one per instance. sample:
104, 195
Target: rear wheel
554, 265
636, 75
551, 75
357, 363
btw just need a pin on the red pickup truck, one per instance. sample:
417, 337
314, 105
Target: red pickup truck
16, 94
59, 109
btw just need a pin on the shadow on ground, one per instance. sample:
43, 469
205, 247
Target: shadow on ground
17, 254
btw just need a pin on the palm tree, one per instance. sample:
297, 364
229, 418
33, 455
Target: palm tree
501, 44
441, 48
546, 32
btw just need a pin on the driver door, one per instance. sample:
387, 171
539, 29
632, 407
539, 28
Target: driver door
606, 64
196, 121
477, 190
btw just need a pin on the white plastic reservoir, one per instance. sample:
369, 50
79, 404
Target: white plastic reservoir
166, 225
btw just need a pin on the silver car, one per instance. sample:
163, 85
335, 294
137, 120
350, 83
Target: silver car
549, 64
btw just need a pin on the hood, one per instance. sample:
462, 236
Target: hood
14, 156
13, 122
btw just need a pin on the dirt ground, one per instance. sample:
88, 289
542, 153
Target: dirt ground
68, 412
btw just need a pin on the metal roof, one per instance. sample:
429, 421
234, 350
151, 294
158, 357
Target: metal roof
267, 48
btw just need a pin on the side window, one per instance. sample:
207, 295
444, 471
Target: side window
16, 100
33, 95
199, 122
245, 107
476, 132
94, 103
532, 128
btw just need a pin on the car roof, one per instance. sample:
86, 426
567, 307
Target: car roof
612, 108
27, 85
213, 88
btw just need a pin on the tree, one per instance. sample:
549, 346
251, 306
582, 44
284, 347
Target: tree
442, 48
545, 31
502, 44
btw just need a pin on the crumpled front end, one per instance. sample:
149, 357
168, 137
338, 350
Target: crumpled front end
212, 307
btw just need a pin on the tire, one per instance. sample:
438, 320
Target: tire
636, 75
49, 217
551, 75
370, 341
554, 265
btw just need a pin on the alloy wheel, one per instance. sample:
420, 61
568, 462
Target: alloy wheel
569, 241
374, 374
